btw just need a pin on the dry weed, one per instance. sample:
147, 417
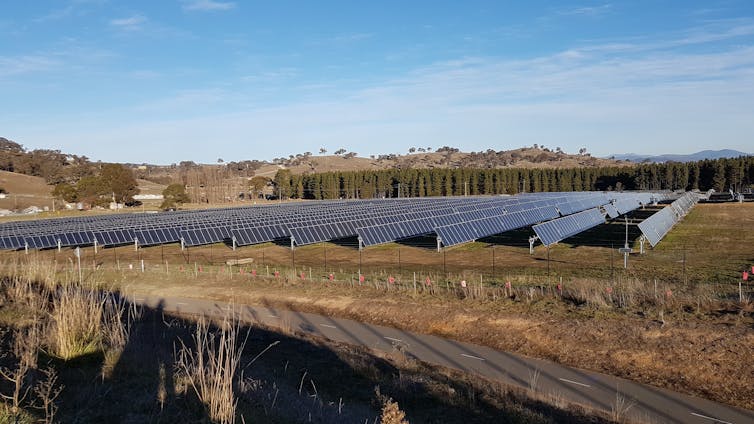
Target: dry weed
620, 408
26, 343
47, 391
212, 369
391, 412
76, 327
533, 380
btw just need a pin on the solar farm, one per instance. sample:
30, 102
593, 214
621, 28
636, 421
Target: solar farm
553, 217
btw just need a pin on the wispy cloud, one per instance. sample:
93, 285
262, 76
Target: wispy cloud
341, 40
72, 8
353, 37
271, 75
712, 32
144, 74
11, 66
208, 5
68, 56
591, 11
610, 96
131, 23
602, 102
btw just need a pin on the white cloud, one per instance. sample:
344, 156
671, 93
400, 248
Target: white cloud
130, 23
588, 10
208, 5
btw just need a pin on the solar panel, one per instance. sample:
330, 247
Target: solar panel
612, 212
626, 205
379, 234
77, 238
380, 220
657, 226
203, 236
560, 229
465, 232
155, 236
248, 236
114, 237
42, 241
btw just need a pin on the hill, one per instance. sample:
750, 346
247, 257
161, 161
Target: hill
526, 157
444, 157
24, 191
693, 157
224, 182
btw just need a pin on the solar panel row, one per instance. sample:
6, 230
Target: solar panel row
375, 221
659, 224
560, 229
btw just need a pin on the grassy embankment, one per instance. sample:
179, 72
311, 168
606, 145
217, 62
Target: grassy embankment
76, 352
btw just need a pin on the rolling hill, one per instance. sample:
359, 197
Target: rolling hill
525, 157
24, 191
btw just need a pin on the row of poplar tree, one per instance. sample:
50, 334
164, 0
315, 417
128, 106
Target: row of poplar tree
720, 175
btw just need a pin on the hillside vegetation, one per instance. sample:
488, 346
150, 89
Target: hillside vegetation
343, 175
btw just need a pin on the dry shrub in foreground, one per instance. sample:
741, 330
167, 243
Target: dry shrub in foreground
26, 343
391, 412
76, 324
213, 368
85, 321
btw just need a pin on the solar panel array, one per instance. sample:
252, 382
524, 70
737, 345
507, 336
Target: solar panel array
659, 224
455, 220
559, 229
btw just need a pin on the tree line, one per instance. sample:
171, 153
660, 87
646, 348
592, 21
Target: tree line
112, 183
52, 165
719, 174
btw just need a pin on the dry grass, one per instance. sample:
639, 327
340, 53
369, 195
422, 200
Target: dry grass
333, 399
391, 413
579, 325
81, 320
76, 327
621, 407
212, 368
533, 381
24, 191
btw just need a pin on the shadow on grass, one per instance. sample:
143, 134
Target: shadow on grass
301, 379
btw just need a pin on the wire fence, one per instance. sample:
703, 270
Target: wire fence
496, 268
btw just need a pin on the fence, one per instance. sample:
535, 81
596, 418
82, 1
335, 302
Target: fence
496, 269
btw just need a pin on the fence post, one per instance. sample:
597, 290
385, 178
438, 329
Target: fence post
740, 292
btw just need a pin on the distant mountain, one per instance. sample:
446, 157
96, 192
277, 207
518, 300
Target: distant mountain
693, 157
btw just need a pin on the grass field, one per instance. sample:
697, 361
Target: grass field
133, 369
651, 322
24, 191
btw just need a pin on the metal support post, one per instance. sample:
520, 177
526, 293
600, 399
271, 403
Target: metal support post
532, 240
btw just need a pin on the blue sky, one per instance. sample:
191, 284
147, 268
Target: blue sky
162, 81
